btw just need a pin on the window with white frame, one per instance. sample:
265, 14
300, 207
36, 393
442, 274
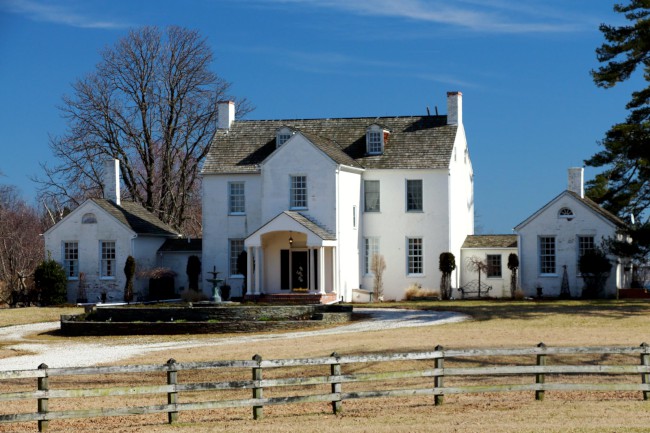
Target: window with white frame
371, 248
414, 195
298, 192
236, 198
282, 136
371, 197
565, 213
71, 259
374, 142
493, 265
415, 259
107, 259
547, 254
235, 247
585, 243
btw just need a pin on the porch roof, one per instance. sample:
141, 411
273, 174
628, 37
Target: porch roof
317, 235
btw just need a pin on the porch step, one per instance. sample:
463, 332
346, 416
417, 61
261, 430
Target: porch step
297, 298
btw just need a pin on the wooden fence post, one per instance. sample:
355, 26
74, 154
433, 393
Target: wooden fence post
43, 385
645, 377
539, 377
335, 370
438, 379
257, 390
172, 396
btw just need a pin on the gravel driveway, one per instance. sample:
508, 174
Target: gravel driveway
82, 354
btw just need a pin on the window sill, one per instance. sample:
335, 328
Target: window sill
298, 208
415, 211
237, 214
106, 278
548, 275
371, 211
416, 275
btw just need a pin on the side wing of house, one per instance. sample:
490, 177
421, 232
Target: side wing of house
552, 240
92, 242
493, 251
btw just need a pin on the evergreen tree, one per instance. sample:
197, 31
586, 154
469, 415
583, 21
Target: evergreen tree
623, 187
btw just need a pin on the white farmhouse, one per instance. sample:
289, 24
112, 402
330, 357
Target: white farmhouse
312, 200
96, 238
552, 240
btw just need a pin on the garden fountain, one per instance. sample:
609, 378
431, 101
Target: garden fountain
215, 285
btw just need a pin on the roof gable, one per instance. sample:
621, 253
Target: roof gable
136, 218
417, 142
585, 202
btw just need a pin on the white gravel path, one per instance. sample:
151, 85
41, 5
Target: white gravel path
82, 354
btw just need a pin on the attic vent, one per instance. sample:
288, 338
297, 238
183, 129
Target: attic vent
89, 218
566, 213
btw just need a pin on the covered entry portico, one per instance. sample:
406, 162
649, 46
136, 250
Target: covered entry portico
291, 254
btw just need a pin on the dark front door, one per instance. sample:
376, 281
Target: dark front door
299, 270
294, 273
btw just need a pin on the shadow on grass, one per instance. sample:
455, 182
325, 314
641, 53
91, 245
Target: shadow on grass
488, 309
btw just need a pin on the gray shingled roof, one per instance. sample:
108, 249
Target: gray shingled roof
311, 225
136, 217
490, 241
416, 142
596, 207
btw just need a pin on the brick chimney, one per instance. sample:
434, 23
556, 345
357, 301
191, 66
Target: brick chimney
577, 181
225, 114
112, 180
454, 108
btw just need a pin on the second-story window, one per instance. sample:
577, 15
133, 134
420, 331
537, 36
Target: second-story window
298, 192
375, 137
371, 197
237, 198
414, 195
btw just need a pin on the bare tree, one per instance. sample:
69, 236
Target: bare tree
21, 246
475, 264
377, 267
152, 104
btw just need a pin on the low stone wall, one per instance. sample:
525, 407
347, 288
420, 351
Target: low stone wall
131, 320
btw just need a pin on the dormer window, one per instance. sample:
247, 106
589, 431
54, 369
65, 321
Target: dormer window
375, 136
282, 135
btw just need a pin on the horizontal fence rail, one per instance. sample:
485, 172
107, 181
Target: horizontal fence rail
429, 378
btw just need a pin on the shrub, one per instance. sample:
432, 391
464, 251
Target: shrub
193, 270
51, 282
446, 265
595, 268
129, 272
415, 291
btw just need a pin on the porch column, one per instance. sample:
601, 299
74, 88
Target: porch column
258, 270
321, 270
249, 271
312, 267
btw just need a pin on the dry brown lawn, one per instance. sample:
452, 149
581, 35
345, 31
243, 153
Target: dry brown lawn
494, 324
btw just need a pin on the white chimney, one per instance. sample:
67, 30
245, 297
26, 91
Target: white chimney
112, 180
577, 181
454, 108
225, 114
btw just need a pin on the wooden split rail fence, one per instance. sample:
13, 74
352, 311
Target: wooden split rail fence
432, 373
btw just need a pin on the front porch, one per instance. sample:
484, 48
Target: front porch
292, 260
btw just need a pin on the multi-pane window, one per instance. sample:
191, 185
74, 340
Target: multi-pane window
71, 259
585, 243
237, 198
493, 265
235, 248
371, 196
374, 142
107, 259
282, 138
414, 195
415, 262
547, 255
371, 245
298, 192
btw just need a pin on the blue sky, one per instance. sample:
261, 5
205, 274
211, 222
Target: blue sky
531, 109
